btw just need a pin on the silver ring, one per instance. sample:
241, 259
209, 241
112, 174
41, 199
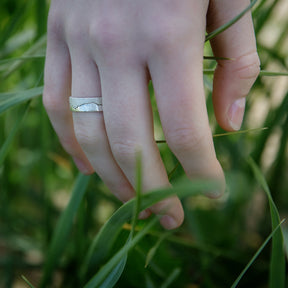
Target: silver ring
93, 104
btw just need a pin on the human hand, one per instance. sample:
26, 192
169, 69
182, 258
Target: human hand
112, 49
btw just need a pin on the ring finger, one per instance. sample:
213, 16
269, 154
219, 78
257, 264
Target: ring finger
129, 126
90, 129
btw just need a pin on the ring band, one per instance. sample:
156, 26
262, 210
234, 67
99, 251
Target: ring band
93, 104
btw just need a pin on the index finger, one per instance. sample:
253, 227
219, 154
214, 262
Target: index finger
176, 72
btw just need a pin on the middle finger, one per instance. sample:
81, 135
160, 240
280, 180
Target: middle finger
129, 126
90, 129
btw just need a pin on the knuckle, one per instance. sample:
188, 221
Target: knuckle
165, 35
168, 31
106, 33
54, 20
125, 152
55, 23
183, 139
244, 70
87, 136
50, 102
248, 66
74, 31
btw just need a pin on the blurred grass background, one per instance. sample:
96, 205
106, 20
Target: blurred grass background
218, 238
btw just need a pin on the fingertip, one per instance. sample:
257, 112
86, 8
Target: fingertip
171, 212
229, 97
236, 113
219, 189
215, 178
169, 223
144, 214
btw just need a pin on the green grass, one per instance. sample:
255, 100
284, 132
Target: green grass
59, 228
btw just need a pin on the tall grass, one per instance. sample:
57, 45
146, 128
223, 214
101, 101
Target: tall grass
59, 228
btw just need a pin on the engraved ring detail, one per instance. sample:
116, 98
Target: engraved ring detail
92, 104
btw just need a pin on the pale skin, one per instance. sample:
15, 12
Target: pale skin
113, 48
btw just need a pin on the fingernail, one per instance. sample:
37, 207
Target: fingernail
81, 165
144, 214
214, 194
168, 222
236, 113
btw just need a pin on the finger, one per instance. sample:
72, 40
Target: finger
178, 84
233, 78
90, 129
129, 126
55, 97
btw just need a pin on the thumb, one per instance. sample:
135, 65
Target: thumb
233, 78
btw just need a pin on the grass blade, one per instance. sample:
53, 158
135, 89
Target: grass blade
230, 23
22, 58
15, 22
262, 72
63, 228
38, 49
27, 282
149, 282
272, 73
227, 133
175, 273
138, 193
116, 273
211, 58
113, 276
263, 14
97, 279
103, 242
240, 132
275, 118
277, 263
7, 144
256, 255
8, 100
152, 251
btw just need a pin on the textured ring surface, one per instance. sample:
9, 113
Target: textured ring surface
92, 104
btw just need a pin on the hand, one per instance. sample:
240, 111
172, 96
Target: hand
112, 49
